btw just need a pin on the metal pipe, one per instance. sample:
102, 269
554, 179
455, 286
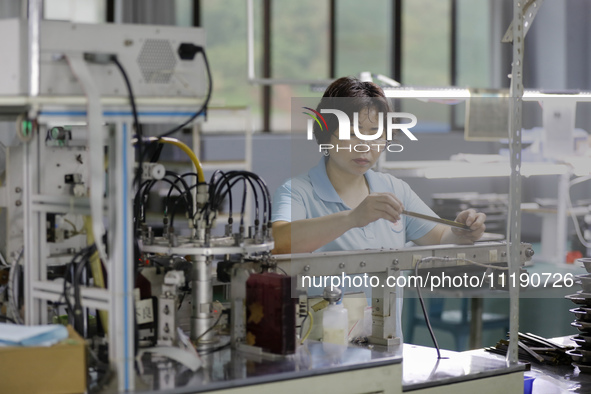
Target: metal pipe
202, 317
33, 29
561, 217
250, 38
118, 17
288, 81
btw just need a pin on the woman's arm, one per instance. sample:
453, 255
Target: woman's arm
308, 235
441, 234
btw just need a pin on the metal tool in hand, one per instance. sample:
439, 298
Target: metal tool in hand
437, 220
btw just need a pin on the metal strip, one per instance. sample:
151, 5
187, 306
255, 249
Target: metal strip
115, 113
91, 297
126, 266
514, 217
250, 38
332, 42
30, 264
530, 10
352, 262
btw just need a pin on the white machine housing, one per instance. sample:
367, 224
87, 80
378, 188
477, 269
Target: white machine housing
148, 54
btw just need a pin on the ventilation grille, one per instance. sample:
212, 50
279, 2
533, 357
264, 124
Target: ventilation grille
157, 61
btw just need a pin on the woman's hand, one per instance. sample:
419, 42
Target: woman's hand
475, 220
377, 206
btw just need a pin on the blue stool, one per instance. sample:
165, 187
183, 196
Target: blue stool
456, 322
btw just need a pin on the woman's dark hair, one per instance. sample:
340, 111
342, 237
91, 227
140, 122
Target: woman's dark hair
359, 95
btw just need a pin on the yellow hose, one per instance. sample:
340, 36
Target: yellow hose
309, 328
97, 270
185, 148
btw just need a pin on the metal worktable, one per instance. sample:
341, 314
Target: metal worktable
408, 368
560, 379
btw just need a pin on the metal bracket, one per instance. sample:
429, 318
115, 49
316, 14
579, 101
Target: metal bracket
530, 10
167, 321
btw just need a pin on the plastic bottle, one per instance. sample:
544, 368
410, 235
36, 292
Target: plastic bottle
335, 324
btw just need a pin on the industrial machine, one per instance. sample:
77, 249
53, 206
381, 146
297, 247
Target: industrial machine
82, 245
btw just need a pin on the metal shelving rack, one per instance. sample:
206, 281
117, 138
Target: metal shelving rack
118, 298
524, 11
116, 209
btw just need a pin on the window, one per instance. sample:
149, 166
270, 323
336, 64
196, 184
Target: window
225, 25
89, 11
426, 54
363, 37
299, 50
310, 39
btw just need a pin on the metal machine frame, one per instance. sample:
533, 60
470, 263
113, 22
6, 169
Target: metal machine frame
118, 299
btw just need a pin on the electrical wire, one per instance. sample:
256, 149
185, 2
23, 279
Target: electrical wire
185, 148
13, 276
185, 185
203, 109
424, 309
107, 373
84, 255
77, 278
183, 195
217, 197
210, 328
216, 172
3, 261
146, 191
309, 328
282, 270
213, 350
76, 232
138, 130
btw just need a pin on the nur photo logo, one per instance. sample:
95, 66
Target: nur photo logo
366, 142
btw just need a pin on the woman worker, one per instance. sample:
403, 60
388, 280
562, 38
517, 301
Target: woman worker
341, 204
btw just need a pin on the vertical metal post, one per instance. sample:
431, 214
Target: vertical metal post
396, 51
34, 22
31, 262
118, 11
121, 264
332, 42
561, 217
267, 58
31, 228
514, 219
202, 298
250, 38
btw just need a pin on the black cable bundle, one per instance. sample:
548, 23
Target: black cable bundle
141, 196
75, 268
221, 185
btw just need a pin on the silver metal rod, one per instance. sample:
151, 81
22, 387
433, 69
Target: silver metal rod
34, 36
288, 81
202, 318
118, 17
250, 38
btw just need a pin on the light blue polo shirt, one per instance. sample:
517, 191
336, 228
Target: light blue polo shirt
312, 195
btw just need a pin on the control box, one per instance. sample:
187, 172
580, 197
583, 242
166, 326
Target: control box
149, 55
